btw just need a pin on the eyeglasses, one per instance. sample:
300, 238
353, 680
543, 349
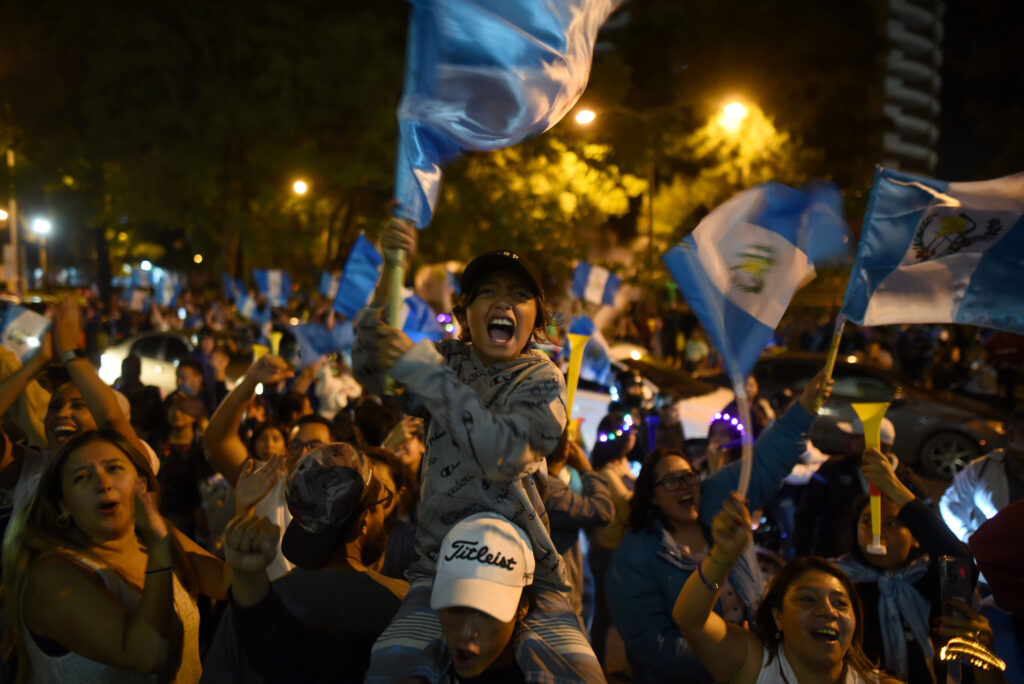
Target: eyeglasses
673, 482
298, 447
389, 496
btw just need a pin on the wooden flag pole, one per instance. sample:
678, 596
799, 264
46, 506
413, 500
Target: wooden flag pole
830, 362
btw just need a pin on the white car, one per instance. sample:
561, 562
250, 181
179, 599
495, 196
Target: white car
159, 353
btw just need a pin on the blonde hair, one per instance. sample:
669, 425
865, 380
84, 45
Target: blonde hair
34, 534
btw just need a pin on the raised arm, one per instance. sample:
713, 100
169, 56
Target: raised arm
98, 396
592, 508
225, 449
21, 397
957, 502
11, 389
65, 602
726, 650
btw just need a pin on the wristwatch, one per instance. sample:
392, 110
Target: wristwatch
72, 354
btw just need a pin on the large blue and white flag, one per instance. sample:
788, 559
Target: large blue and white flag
359, 279
742, 264
274, 284
23, 331
595, 284
938, 252
135, 299
329, 284
483, 75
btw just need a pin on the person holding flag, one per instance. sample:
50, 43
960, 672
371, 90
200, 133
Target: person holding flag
494, 410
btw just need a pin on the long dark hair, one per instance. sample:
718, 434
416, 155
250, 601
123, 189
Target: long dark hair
764, 622
642, 511
35, 533
604, 452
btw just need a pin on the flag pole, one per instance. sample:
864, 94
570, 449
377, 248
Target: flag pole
830, 362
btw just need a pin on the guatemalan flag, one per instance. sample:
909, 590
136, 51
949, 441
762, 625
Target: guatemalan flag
742, 264
249, 308
597, 363
595, 284
23, 331
938, 252
274, 284
166, 290
230, 288
359, 279
483, 75
329, 284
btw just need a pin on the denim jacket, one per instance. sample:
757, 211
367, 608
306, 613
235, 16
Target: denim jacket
648, 571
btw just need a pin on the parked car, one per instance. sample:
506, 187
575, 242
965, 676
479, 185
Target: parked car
691, 402
160, 353
939, 432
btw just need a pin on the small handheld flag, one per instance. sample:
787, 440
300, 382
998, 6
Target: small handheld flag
595, 284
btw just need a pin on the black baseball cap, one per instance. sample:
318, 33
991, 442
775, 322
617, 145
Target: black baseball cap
499, 259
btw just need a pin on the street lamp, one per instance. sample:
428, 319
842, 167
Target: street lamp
197, 259
733, 116
300, 187
42, 227
585, 116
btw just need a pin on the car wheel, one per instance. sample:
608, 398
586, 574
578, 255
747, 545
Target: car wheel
945, 454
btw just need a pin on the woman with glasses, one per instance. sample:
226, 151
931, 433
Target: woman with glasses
669, 535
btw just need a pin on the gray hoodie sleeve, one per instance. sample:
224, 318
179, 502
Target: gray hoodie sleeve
510, 438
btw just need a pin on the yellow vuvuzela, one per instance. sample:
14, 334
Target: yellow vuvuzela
871, 415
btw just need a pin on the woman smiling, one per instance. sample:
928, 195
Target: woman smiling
808, 628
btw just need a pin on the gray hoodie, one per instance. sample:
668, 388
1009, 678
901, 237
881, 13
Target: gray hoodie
488, 431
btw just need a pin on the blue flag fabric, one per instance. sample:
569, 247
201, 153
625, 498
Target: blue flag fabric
230, 288
419, 321
274, 284
483, 75
249, 308
166, 289
597, 363
329, 284
142, 277
938, 252
359, 279
742, 264
595, 284
314, 340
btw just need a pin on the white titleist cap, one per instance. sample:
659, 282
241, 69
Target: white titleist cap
485, 562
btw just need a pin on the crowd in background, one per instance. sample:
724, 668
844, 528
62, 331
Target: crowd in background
636, 524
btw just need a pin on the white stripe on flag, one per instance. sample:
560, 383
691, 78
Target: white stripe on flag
763, 294
596, 281
274, 284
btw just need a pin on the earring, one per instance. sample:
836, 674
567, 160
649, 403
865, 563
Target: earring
64, 519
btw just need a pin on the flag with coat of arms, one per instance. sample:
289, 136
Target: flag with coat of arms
595, 284
166, 289
938, 252
740, 267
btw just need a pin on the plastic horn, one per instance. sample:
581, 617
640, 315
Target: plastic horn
259, 350
275, 343
871, 417
577, 344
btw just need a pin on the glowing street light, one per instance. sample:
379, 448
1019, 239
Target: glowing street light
300, 187
198, 259
585, 116
146, 265
733, 115
42, 226
3, 215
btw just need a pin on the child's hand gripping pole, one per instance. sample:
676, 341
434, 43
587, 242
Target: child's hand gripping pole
577, 343
871, 415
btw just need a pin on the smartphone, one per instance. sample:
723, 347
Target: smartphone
955, 581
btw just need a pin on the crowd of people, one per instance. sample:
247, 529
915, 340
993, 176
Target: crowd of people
428, 513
